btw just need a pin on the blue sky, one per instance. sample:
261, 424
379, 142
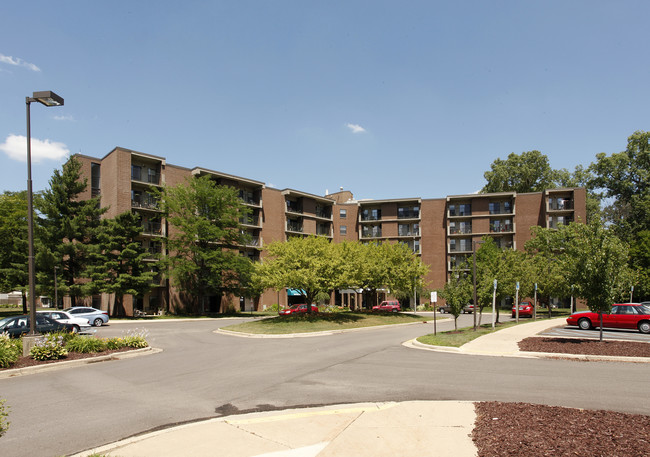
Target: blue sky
387, 99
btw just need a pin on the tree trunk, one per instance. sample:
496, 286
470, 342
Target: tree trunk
600, 317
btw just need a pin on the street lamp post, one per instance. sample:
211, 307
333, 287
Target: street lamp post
47, 98
56, 295
474, 243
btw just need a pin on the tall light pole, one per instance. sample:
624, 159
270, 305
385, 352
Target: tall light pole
56, 295
47, 98
474, 243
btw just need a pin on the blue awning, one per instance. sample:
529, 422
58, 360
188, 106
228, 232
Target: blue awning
295, 292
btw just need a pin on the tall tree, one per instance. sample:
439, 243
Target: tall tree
600, 270
14, 273
205, 237
640, 261
625, 178
120, 266
457, 292
526, 172
67, 230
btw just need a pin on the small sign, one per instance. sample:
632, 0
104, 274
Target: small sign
517, 285
434, 297
495, 284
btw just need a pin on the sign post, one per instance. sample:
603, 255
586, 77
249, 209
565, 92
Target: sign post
535, 304
517, 302
434, 299
494, 301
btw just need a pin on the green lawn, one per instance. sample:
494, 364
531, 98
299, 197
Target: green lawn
457, 338
323, 322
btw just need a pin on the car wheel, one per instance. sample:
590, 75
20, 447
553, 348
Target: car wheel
584, 324
644, 327
98, 322
75, 329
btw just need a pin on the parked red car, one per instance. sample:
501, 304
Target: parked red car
623, 315
525, 309
388, 305
297, 309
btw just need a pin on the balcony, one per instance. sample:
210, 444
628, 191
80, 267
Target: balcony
294, 207
249, 220
145, 175
371, 232
152, 228
294, 227
501, 228
403, 213
560, 204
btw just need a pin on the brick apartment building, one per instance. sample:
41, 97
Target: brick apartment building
440, 230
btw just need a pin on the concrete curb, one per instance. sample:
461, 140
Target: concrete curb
11, 373
526, 355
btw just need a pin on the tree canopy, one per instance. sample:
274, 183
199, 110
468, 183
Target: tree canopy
13, 243
526, 172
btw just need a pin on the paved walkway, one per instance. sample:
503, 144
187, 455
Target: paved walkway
414, 428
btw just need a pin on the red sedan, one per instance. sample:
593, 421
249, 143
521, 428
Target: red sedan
297, 309
388, 305
623, 315
525, 309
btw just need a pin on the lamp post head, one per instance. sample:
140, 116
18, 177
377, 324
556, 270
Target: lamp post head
47, 98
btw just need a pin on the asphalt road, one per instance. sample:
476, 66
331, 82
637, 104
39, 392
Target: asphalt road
202, 374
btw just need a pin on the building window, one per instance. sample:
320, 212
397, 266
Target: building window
136, 172
371, 231
343, 230
498, 225
343, 213
408, 229
408, 212
460, 210
95, 179
371, 214
460, 227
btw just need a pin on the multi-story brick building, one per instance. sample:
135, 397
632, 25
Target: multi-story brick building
440, 230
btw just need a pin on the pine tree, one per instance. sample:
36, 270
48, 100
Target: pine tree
67, 230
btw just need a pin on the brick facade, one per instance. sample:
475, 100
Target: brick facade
440, 230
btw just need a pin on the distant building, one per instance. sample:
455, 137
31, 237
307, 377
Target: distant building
440, 230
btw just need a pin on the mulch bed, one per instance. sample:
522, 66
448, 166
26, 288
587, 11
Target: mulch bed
23, 362
587, 347
524, 429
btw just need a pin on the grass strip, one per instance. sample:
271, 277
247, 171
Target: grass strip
322, 322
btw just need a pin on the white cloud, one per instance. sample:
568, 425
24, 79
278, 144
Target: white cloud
64, 118
15, 146
18, 62
356, 128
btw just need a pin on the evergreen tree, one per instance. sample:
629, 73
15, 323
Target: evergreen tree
119, 265
67, 230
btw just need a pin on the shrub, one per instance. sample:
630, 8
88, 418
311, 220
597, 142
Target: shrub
4, 413
86, 344
49, 347
10, 350
66, 336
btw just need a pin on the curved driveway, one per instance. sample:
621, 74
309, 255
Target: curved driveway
201, 374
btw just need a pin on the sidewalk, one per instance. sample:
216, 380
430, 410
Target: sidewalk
413, 428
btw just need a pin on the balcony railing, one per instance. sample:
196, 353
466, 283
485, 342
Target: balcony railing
250, 220
501, 211
371, 233
500, 228
408, 214
460, 230
293, 207
323, 231
324, 214
559, 205
149, 178
408, 232
460, 248
146, 204
370, 217
294, 227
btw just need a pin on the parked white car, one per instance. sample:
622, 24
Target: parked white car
81, 325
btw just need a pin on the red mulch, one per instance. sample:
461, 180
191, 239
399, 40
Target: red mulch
23, 362
523, 429
589, 347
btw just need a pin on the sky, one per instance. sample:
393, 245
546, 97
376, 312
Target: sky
386, 99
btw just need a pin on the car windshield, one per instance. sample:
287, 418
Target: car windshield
645, 309
4, 321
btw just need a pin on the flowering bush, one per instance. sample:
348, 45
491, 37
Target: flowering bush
136, 338
9, 350
115, 343
48, 348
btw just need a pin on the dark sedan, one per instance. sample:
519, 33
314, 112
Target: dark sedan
623, 315
16, 326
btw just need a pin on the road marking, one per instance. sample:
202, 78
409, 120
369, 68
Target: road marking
307, 451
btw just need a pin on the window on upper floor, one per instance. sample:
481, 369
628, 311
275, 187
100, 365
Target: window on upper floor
343, 213
371, 214
464, 209
343, 229
408, 212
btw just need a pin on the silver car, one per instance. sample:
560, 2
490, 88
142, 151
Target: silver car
96, 317
81, 324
